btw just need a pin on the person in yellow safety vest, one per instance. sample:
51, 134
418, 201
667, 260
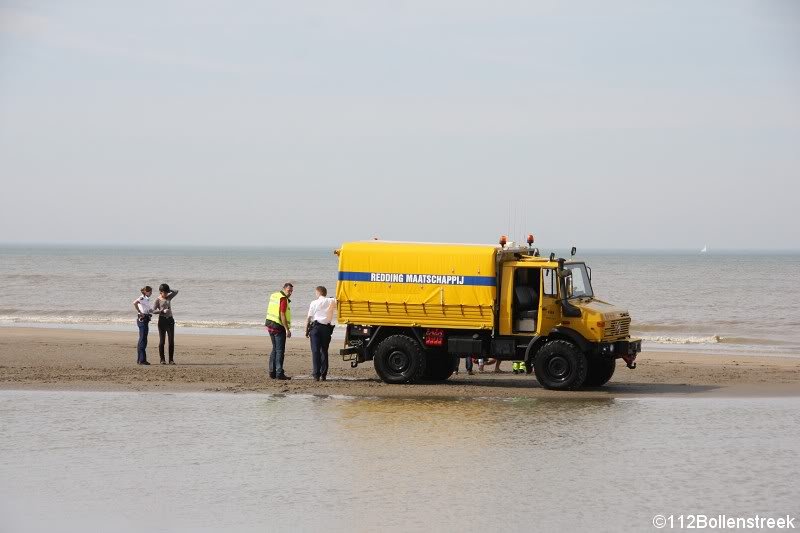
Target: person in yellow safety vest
279, 324
518, 367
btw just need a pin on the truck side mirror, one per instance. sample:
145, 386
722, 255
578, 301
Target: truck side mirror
573, 251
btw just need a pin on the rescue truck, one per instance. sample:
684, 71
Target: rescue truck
415, 308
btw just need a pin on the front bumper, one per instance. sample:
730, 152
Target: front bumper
617, 349
627, 350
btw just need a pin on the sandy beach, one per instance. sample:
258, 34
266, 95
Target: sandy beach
61, 359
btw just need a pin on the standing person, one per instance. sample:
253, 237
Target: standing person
467, 364
319, 329
166, 322
144, 311
279, 326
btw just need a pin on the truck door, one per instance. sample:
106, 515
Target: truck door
519, 299
549, 308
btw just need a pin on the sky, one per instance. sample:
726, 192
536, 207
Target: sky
618, 124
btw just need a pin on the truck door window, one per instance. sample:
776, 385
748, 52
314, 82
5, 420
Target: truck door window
577, 286
550, 283
526, 291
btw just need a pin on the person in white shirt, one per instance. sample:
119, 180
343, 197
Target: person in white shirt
319, 329
144, 311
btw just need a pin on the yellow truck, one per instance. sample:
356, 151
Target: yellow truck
415, 308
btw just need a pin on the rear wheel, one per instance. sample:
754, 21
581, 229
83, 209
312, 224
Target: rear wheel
560, 365
600, 371
399, 359
439, 366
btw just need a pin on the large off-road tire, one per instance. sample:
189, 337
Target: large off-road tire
399, 359
439, 366
600, 371
560, 365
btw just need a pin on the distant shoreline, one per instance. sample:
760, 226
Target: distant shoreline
65, 359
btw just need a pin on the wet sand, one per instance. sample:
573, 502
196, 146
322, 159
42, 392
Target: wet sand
59, 359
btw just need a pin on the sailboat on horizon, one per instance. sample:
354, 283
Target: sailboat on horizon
705, 249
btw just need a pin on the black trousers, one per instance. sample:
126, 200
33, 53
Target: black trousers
166, 327
320, 335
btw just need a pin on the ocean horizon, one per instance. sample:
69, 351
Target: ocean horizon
563, 249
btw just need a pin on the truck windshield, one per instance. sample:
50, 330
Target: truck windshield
578, 284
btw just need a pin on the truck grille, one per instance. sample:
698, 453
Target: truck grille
618, 328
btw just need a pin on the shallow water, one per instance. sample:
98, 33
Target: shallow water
207, 462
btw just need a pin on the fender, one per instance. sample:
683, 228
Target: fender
533, 346
572, 336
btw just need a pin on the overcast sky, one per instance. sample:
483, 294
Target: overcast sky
627, 124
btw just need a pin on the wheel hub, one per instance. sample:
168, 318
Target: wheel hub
398, 361
558, 367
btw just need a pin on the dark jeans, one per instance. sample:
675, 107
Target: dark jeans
320, 336
467, 363
141, 347
166, 327
278, 351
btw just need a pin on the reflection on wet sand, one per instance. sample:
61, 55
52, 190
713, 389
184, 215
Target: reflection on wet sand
128, 462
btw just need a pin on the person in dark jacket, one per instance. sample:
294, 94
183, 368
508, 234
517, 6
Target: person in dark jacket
166, 321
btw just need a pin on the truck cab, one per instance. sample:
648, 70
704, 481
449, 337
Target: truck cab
545, 301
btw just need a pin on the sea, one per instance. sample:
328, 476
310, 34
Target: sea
714, 302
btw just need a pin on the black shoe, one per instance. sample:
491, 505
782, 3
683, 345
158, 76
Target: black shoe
316, 378
283, 377
272, 375
172, 362
324, 377
163, 362
145, 363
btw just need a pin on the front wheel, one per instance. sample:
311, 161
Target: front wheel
560, 365
600, 371
399, 359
